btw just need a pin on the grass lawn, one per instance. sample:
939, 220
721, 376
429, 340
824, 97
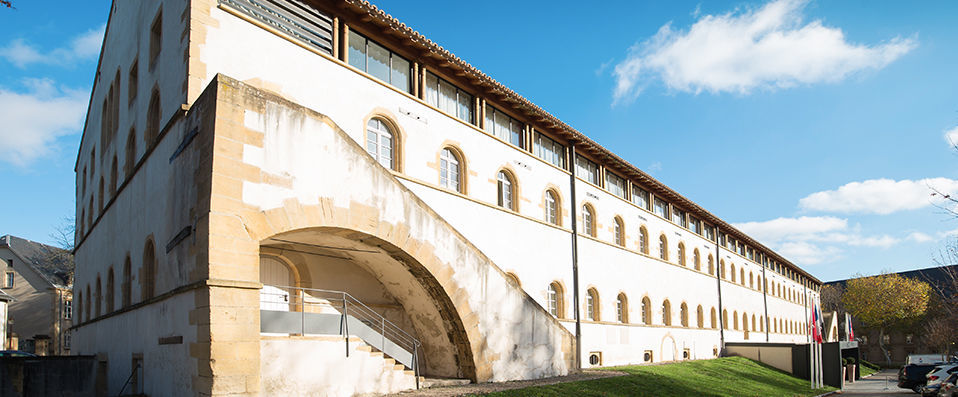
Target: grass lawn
728, 376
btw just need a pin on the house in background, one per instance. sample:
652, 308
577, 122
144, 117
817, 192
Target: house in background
39, 277
4, 301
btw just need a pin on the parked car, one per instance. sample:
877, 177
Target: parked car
15, 353
935, 378
912, 376
948, 388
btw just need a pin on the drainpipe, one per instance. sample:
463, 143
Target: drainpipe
765, 296
808, 337
575, 263
718, 281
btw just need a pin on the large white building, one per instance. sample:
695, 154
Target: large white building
259, 178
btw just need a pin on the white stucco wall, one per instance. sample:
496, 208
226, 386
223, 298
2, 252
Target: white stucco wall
543, 253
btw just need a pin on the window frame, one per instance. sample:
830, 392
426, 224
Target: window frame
502, 177
390, 128
390, 69
541, 142
551, 204
444, 162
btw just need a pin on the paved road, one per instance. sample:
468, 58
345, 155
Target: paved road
881, 384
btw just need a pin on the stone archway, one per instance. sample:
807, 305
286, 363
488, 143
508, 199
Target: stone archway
434, 317
280, 169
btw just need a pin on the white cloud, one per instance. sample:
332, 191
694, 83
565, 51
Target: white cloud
951, 136
35, 118
766, 48
879, 196
803, 227
920, 237
82, 47
812, 239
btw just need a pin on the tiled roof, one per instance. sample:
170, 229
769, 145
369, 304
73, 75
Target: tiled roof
542, 117
55, 265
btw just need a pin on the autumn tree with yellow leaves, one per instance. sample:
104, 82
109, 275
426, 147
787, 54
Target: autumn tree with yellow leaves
885, 301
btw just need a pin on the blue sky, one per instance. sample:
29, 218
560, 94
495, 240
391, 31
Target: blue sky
815, 126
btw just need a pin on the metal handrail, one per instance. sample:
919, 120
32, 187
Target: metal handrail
348, 306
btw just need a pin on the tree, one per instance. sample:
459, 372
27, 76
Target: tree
6, 3
886, 300
831, 295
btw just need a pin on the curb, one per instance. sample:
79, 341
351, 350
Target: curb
829, 393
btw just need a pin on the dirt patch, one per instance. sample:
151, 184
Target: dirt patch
483, 388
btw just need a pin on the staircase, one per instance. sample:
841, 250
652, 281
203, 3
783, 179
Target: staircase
318, 315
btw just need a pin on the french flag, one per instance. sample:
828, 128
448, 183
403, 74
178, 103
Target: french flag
816, 321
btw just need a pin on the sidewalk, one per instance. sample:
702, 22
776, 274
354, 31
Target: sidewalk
880, 384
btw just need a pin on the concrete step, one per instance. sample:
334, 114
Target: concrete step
438, 382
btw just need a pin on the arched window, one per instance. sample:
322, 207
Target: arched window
100, 202
380, 143
86, 307
109, 291
513, 277
761, 324
644, 240
681, 253
753, 323
555, 300
733, 272
618, 229
758, 281
148, 272
751, 280
684, 314
592, 305
127, 282
741, 278
699, 317
712, 319
745, 324
79, 306
552, 207
724, 318
506, 190
622, 308
588, 220
99, 297
130, 153
711, 265
153, 118
663, 248
113, 176
735, 320
666, 312
450, 170
696, 259
646, 310
722, 268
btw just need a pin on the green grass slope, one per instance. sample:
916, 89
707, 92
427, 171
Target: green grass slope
729, 376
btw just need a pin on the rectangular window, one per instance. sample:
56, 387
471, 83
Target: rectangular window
67, 309
695, 225
587, 170
640, 197
448, 98
710, 233
741, 249
8, 280
67, 340
156, 38
678, 217
503, 126
379, 62
134, 80
615, 184
661, 208
550, 150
